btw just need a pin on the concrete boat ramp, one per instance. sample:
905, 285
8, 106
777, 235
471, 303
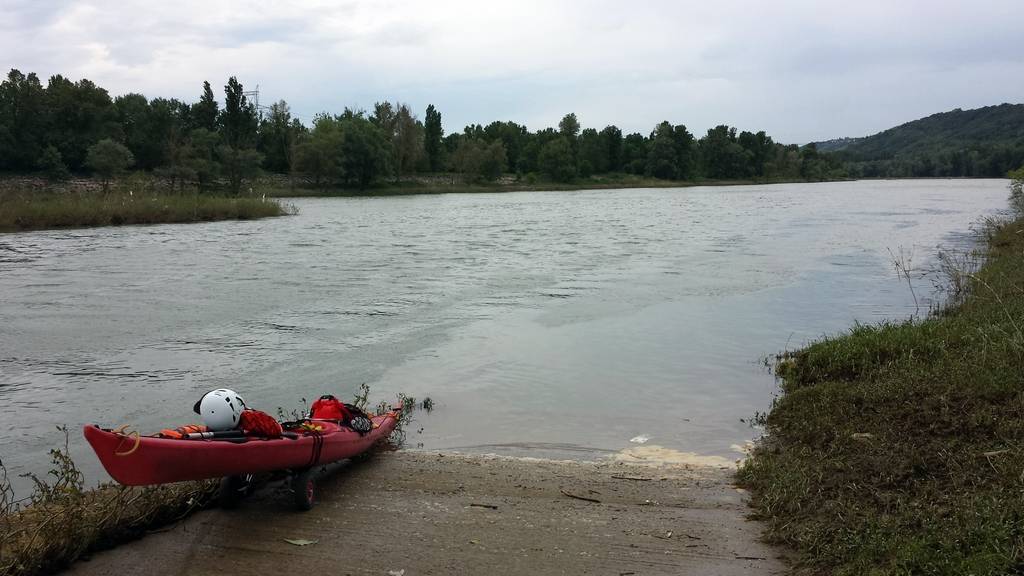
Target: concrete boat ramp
408, 513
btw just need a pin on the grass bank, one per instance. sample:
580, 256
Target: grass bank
78, 210
899, 448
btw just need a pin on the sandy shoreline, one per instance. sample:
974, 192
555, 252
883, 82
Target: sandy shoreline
446, 513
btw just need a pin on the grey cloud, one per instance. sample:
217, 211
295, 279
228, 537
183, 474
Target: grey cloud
801, 69
27, 15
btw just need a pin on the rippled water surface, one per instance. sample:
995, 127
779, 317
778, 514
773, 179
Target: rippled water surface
544, 323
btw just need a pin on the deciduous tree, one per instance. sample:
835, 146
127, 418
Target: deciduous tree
433, 132
78, 114
199, 157
569, 127
723, 158
238, 122
53, 165
556, 161
593, 155
364, 150
479, 160
277, 137
319, 154
239, 165
662, 158
611, 139
23, 136
108, 159
205, 112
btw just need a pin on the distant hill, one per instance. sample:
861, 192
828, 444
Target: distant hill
836, 144
985, 141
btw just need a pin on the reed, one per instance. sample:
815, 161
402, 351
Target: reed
77, 210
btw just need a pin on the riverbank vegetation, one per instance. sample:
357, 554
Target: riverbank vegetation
66, 128
19, 212
54, 130
899, 448
62, 520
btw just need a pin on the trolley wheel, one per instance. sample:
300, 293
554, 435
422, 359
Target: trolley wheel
363, 456
304, 490
232, 490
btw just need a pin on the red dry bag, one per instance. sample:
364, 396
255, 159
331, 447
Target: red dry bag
329, 408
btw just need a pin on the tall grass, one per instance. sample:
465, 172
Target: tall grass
62, 521
898, 448
38, 211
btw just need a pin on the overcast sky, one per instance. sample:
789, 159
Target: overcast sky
800, 70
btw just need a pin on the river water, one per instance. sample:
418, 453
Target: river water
541, 323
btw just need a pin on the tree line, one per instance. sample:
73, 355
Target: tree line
69, 127
977, 161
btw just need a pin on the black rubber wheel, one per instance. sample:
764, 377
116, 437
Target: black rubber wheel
232, 490
304, 490
363, 456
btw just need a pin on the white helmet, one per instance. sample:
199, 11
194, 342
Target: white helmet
220, 409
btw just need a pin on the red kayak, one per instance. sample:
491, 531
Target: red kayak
136, 461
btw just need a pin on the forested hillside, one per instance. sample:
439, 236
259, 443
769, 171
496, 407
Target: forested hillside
835, 144
985, 142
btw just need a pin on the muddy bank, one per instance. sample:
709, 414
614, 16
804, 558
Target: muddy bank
431, 513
